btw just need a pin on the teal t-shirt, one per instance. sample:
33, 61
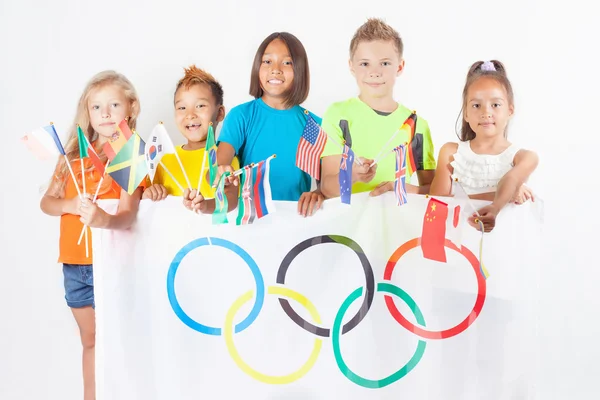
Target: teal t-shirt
257, 131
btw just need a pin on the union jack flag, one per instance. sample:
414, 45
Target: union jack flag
400, 182
310, 148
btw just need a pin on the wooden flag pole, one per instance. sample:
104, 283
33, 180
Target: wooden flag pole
94, 200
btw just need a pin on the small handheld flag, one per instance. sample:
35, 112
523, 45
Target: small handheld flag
400, 181
220, 214
43, 143
52, 132
263, 202
83, 142
310, 148
158, 145
118, 140
211, 149
345, 175
246, 212
95, 158
128, 168
408, 127
433, 236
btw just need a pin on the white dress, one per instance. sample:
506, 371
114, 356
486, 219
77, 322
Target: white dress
480, 173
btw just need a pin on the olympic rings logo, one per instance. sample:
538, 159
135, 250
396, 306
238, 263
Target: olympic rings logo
337, 330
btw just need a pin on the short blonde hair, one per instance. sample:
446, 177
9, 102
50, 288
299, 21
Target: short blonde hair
376, 29
196, 76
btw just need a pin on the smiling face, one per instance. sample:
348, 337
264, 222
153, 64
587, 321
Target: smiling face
276, 73
195, 109
487, 108
107, 107
376, 65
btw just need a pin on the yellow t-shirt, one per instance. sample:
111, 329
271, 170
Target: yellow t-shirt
192, 162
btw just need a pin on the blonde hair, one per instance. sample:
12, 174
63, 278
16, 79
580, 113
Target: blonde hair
376, 29
195, 76
82, 117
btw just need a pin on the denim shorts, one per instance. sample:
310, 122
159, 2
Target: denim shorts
79, 285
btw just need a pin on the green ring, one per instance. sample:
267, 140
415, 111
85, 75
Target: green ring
359, 380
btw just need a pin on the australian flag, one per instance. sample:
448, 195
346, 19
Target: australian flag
345, 175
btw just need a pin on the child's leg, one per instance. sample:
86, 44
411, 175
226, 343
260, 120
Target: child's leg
85, 318
79, 293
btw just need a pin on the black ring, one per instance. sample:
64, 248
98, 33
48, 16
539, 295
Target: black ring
370, 280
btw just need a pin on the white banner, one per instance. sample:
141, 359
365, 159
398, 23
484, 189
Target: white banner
339, 305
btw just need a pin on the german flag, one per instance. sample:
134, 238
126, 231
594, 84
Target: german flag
410, 126
128, 168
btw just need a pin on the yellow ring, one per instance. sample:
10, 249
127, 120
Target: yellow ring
270, 379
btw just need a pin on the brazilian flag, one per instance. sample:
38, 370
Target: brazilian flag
220, 214
211, 149
129, 168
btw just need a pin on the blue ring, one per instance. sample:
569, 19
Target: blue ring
260, 285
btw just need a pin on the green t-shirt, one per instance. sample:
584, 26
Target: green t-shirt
367, 131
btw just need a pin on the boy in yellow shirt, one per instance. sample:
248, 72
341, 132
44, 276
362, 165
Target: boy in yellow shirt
198, 101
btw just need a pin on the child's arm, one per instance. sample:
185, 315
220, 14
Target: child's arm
425, 180
525, 163
442, 181
231, 139
225, 154
95, 217
330, 169
53, 203
427, 167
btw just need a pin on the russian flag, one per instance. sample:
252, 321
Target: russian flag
263, 201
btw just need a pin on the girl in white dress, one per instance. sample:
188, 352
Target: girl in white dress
486, 164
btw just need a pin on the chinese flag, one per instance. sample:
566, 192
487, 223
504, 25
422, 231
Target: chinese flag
434, 230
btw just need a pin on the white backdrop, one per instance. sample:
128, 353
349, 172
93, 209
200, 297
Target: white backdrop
49, 51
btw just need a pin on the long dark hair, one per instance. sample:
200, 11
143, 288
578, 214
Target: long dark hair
498, 72
301, 84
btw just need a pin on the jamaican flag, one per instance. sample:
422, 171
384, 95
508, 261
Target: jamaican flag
129, 168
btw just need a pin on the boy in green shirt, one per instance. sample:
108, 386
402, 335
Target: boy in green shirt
368, 121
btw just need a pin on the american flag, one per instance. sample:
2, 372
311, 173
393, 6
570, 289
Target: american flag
400, 182
310, 148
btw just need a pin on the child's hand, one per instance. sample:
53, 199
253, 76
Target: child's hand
522, 195
382, 188
188, 196
155, 193
487, 215
363, 173
200, 205
309, 203
92, 215
73, 206
230, 179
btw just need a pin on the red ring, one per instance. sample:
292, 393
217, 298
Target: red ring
426, 334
